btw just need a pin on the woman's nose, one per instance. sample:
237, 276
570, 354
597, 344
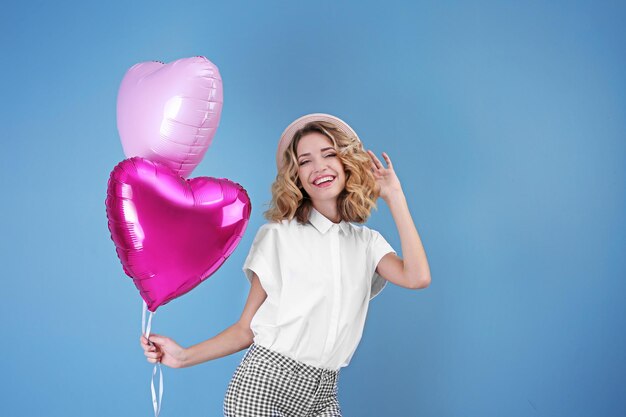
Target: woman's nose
319, 165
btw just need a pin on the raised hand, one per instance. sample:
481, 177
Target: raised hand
386, 178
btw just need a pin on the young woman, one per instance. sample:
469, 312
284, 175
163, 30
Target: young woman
313, 272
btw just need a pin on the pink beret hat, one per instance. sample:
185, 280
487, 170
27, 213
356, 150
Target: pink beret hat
287, 136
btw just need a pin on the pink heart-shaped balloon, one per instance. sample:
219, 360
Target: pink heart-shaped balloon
169, 112
170, 233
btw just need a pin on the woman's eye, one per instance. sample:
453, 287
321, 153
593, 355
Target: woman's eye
327, 156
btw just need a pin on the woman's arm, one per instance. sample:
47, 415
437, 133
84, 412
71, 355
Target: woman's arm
235, 338
412, 271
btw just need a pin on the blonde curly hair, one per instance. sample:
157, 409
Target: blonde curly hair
356, 200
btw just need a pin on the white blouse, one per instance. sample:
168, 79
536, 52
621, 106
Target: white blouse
319, 278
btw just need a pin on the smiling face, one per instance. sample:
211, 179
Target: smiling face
320, 171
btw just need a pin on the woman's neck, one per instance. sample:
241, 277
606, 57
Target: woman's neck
329, 210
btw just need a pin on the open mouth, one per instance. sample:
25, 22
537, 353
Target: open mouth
325, 182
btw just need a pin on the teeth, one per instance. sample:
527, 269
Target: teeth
323, 179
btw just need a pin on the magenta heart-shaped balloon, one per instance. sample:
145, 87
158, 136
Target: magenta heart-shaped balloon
170, 233
169, 112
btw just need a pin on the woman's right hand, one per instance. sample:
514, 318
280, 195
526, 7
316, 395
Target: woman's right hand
163, 349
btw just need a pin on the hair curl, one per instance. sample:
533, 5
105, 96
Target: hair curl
356, 200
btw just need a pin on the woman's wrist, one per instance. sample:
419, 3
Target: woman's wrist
185, 358
394, 196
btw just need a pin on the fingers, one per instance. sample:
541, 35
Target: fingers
151, 350
157, 347
376, 162
147, 346
154, 359
158, 339
389, 165
145, 343
153, 354
154, 338
373, 164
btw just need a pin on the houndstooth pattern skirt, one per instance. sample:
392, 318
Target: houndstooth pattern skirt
269, 384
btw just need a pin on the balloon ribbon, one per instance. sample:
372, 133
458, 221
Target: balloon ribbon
156, 404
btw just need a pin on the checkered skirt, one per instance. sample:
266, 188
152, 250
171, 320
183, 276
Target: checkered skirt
269, 384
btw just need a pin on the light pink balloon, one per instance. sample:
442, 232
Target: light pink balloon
170, 233
169, 113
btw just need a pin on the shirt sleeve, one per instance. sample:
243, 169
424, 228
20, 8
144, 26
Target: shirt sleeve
379, 247
262, 258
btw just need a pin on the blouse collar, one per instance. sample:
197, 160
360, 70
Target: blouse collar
322, 223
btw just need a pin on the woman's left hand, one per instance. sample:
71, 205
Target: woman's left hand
386, 178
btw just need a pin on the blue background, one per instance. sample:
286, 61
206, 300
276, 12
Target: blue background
506, 124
